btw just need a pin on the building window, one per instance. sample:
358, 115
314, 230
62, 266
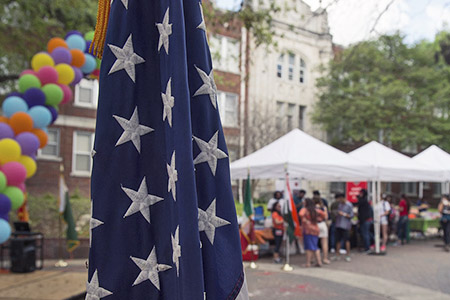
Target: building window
301, 117
280, 66
409, 188
290, 116
225, 53
437, 189
302, 77
81, 155
388, 187
280, 115
291, 65
86, 93
52, 147
228, 108
337, 187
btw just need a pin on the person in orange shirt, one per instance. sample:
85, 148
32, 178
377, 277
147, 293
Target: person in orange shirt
310, 216
277, 229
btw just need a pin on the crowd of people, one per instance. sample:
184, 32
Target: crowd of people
337, 227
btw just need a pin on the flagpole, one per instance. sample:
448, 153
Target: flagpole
60, 263
253, 265
286, 266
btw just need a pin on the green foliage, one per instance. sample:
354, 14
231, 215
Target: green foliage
388, 91
240, 208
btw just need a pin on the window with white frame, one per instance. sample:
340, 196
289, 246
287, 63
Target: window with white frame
409, 188
225, 53
280, 66
81, 156
228, 108
86, 93
291, 65
52, 147
302, 75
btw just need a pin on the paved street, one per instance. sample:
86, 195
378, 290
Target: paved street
419, 270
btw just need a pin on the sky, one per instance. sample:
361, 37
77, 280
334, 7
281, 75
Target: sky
351, 21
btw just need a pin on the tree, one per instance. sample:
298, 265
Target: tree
388, 91
26, 26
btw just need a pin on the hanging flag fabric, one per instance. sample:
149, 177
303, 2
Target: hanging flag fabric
247, 223
163, 224
65, 210
292, 216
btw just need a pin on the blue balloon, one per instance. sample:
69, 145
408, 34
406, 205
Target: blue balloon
76, 42
34, 96
5, 231
41, 116
72, 32
89, 65
13, 104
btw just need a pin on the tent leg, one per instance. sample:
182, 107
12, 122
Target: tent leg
286, 266
377, 217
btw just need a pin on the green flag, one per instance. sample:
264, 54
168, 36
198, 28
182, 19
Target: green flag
248, 209
66, 211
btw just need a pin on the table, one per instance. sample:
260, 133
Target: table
421, 224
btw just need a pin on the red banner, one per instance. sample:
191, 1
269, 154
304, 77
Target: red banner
353, 189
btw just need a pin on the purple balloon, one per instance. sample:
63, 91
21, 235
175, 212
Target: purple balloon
14, 94
33, 155
61, 55
34, 96
88, 45
5, 205
53, 111
73, 32
6, 131
28, 142
78, 75
4, 217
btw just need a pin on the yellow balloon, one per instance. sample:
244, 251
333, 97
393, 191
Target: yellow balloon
29, 164
65, 73
40, 60
9, 150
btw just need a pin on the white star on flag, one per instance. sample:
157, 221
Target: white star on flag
132, 130
202, 24
149, 269
141, 200
124, 2
208, 87
93, 223
176, 249
94, 291
173, 177
209, 152
168, 102
208, 221
126, 59
165, 29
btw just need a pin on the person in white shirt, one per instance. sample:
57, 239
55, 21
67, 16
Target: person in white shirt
384, 209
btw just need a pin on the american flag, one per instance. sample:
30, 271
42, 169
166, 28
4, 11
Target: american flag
163, 220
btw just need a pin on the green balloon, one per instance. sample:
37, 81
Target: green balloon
15, 195
99, 62
2, 181
28, 81
89, 36
53, 94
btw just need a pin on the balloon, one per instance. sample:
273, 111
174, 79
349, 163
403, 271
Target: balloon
47, 74
34, 96
3, 183
4, 119
5, 205
88, 46
40, 60
89, 65
65, 73
77, 58
76, 42
29, 164
54, 43
53, 112
29, 142
41, 116
15, 195
53, 94
13, 104
71, 32
42, 136
5, 231
61, 55
99, 62
28, 81
9, 150
31, 72
89, 36
78, 76
22, 187
20, 122
6, 131
95, 73
15, 172
67, 91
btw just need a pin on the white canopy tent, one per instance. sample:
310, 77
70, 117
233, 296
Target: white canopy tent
302, 156
436, 158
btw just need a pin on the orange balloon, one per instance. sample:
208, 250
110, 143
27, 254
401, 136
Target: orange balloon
41, 135
55, 43
4, 119
21, 122
78, 58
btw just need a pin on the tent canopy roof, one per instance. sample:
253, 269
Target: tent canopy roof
434, 157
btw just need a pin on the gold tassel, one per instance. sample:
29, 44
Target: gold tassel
98, 43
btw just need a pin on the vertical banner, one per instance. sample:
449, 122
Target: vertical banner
353, 189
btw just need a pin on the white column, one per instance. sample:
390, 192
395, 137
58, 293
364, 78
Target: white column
421, 190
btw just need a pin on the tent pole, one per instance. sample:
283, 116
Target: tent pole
377, 217
286, 266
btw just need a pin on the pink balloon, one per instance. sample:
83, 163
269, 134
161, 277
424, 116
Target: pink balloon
24, 72
68, 95
15, 173
22, 187
47, 74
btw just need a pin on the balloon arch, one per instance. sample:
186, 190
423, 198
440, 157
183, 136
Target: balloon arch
28, 112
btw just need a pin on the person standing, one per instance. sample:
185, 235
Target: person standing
444, 209
277, 197
343, 225
299, 197
332, 232
323, 228
403, 207
384, 209
365, 217
277, 230
310, 217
